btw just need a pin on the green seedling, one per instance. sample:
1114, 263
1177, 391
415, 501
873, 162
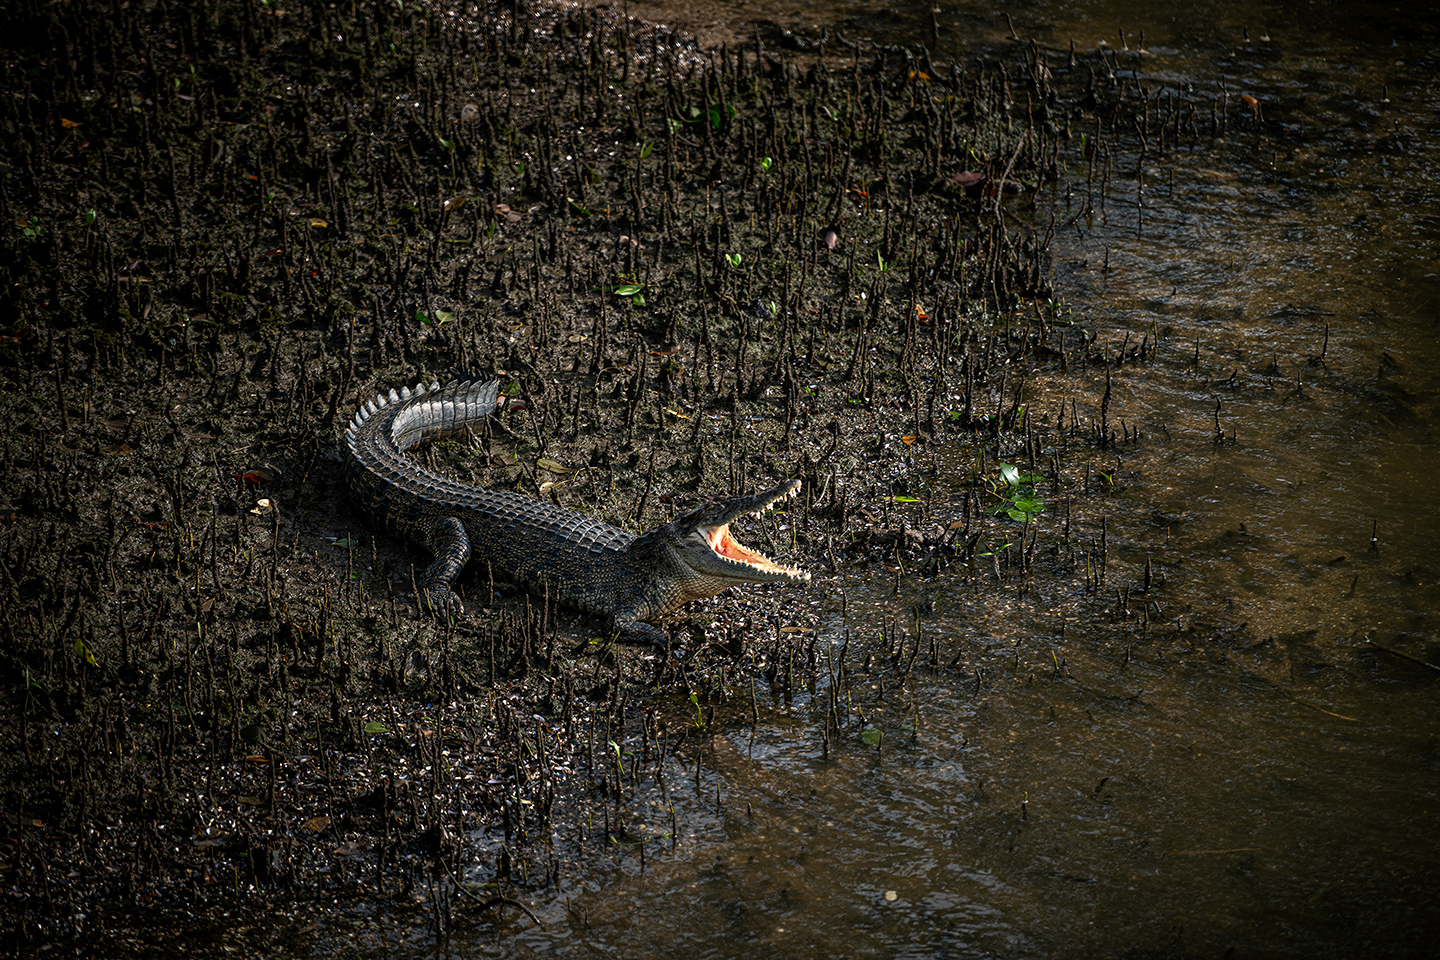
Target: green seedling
630, 290
1016, 492
714, 113
437, 319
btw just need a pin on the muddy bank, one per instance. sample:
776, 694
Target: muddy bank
700, 273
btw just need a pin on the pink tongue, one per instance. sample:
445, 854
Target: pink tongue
726, 546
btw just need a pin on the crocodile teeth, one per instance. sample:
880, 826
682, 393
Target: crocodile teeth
770, 507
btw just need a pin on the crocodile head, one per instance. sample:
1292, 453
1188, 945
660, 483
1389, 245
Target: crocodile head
705, 557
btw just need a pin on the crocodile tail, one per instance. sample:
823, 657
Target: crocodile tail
424, 413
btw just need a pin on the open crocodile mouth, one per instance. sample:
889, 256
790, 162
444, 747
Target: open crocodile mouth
724, 545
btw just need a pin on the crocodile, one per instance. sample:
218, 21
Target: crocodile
632, 581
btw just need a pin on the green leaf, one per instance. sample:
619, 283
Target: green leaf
627, 289
375, 726
1010, 474
83, 652
718, 117
872, 736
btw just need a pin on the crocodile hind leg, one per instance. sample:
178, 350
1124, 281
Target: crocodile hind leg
448, 541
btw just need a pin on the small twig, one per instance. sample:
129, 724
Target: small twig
1392, 651
1329, 713
1005, 177
500, 900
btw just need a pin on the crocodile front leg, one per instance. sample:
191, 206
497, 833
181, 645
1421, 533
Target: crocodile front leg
446, 539
638, 631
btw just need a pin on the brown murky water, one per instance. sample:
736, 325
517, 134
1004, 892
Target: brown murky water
1258, 777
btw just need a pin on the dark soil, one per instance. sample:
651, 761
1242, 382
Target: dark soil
225, 226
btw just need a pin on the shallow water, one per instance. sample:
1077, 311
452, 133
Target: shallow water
1250, 766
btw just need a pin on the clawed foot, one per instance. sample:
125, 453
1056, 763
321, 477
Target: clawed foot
441, 603
638, 632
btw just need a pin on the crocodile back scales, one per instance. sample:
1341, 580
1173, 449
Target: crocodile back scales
527, 540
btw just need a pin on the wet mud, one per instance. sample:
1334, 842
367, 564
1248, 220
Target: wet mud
698, 273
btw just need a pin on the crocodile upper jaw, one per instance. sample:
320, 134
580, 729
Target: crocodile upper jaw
705, 544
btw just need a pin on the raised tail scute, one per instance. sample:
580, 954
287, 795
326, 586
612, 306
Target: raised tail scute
437, 411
